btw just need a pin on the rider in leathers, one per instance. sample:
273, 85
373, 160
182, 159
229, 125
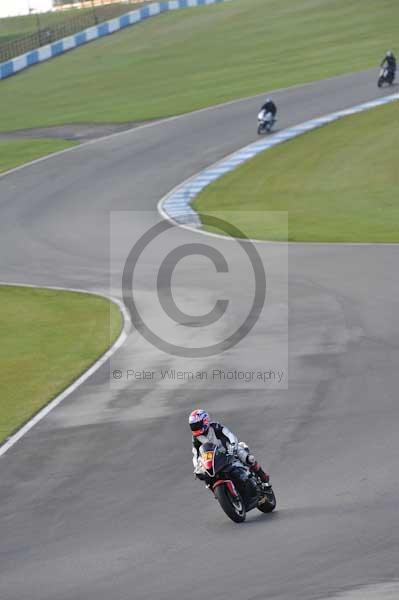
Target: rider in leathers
205, 431
390, 62
269, 107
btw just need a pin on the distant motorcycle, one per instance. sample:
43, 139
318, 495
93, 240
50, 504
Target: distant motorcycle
266, 121
386, 76
231, 490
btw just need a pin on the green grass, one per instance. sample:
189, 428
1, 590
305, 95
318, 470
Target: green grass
48, 338
193, 58
17, 152
338, 184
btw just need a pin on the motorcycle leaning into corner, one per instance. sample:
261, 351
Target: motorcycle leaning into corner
234, 486
266, 121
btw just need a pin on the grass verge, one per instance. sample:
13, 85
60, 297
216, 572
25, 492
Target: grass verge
17, 152
337, 184
197, 57
48, 339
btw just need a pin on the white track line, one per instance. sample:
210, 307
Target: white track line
13, 439
176, 208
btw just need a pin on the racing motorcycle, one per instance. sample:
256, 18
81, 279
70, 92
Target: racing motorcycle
266, 121
386, 76
229, 483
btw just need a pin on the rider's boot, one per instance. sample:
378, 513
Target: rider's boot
257, 469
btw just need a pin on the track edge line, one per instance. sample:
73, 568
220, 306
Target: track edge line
43, 412
257, 148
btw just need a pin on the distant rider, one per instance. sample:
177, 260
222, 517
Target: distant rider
270, 107
203, 430
389, 62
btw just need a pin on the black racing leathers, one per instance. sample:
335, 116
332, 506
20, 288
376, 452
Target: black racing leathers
270, 107
390, 63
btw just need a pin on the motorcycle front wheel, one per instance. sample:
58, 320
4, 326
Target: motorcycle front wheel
260, 129
380, 82
232, 506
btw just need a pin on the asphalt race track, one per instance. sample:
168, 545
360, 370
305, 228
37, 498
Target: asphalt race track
97, 502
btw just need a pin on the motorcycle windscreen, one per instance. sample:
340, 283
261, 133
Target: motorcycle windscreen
208, 460
207, 453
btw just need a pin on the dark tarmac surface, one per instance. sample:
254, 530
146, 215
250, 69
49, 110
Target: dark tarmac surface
97, 502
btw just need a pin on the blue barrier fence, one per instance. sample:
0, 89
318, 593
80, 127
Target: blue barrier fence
39, 55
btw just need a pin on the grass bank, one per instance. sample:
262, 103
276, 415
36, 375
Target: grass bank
197, 57
337, 184
48, 339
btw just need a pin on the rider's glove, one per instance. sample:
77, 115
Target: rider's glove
199, 473
199, 470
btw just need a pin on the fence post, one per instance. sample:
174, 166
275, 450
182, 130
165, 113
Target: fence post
39, 29
94, 12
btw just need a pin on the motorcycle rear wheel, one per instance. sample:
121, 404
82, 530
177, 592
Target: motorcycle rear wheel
268, 503
234, 508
